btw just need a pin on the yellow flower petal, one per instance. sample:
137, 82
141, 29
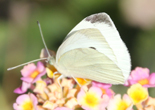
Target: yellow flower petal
60, 102
28, 105
71, 103
137, 93
151, 101
71, 93
52, 97
82, 81
50, 69
91, 100
49, 105
120, 104
54, 88
40, 86
148, 104
49, 73
67, 83
123, 105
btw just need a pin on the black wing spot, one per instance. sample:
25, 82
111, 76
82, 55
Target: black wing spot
99, 18
93, 48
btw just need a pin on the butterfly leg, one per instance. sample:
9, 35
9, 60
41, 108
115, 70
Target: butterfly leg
76, 81
60, 77
54, 74
85, 90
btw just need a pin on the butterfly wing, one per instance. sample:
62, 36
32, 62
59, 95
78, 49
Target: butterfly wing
98, 31
90, 64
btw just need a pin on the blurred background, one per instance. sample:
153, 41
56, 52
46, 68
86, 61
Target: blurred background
20, 39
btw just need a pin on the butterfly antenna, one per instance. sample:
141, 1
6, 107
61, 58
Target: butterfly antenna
36, 59
26, 63
43, 38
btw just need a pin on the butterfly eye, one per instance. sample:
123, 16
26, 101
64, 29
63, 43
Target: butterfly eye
93, 48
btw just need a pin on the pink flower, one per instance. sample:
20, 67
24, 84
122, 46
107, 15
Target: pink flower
104, 87
141, 76
118, 103
91, 99
23, 88
26, 102
104, 102
31, 73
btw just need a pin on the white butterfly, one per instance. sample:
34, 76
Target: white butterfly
94, 50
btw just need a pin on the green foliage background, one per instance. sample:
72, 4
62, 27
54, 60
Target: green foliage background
20, 39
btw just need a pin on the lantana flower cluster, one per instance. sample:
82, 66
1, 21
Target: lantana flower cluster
41, 90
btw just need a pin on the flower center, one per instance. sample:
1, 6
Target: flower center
103, 90
122, 105
138, 96
143, 81
28, 106
91, 99
34, 74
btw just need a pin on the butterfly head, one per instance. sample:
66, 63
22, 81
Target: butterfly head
50, 58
